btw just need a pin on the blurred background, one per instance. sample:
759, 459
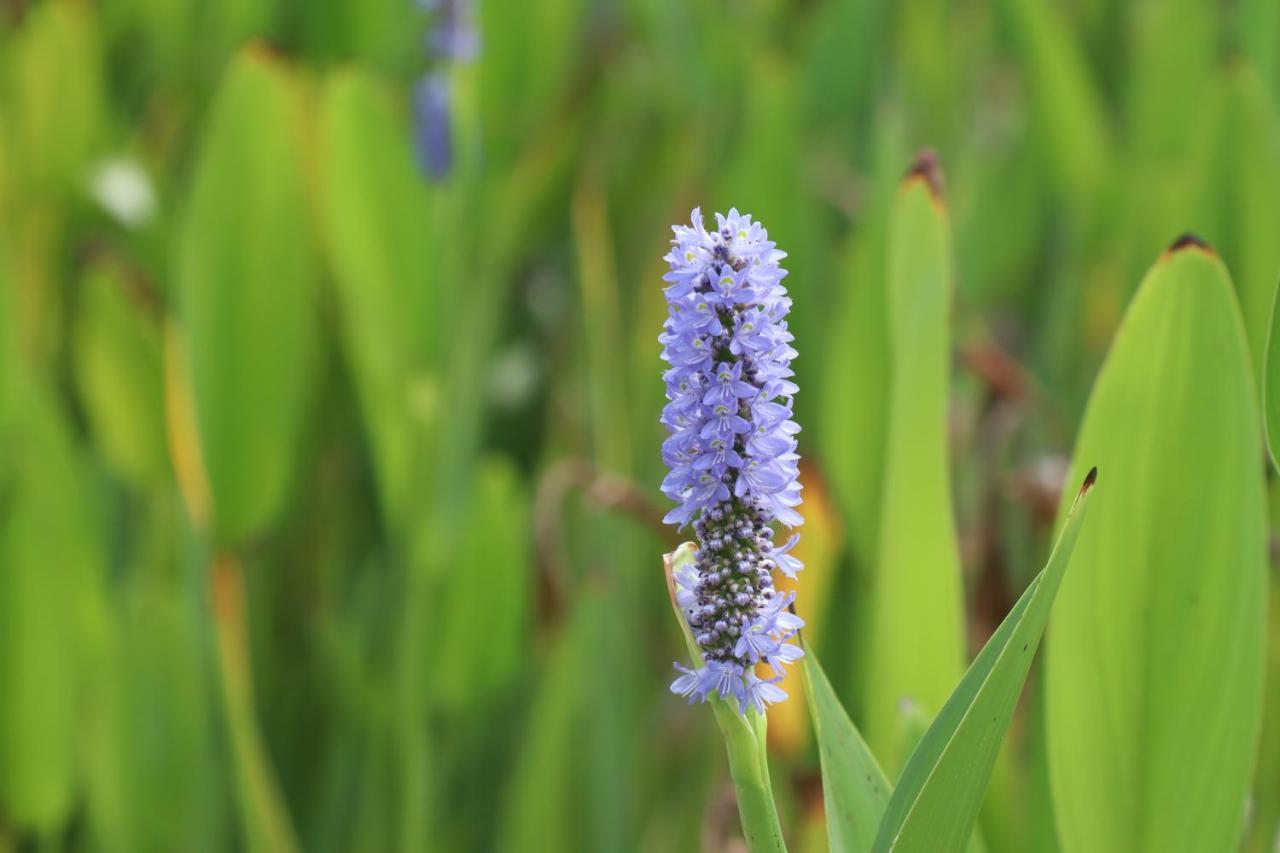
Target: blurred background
329, 381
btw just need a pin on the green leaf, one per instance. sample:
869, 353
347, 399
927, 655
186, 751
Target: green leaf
49, 554
245, 270
856, 375
148, 740
55, 97
917, 634
937, 799
542, 810
529, 55
1250, 168
1173, 47
1154, 666
119, 374
1070, 119
1258, 33
482, 635
377, 228
855, 791
1264, 823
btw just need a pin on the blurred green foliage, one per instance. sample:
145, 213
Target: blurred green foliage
328, 492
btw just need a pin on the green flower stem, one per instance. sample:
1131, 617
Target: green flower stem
262, 810
749, 767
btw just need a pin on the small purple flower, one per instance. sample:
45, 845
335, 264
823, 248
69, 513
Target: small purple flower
451, 38
731, 454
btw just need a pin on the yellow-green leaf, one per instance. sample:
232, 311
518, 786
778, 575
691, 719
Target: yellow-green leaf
1154, 667
917, 639
245, 277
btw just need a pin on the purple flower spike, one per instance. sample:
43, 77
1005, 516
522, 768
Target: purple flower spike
731, 454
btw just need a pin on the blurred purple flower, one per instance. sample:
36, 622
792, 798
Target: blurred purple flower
452, 35
432, 124
731, 453
451, 38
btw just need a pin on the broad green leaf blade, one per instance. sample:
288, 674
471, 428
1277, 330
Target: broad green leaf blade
917, 635
245, 270
1154, 666
854, 788
938, 796
49, 567
377, 228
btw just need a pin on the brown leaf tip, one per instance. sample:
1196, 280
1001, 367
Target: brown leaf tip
1189, 241
929, 169
1089, 479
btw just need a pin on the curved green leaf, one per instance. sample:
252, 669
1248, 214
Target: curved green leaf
854, 788
245, 270
917, 635
1154, 667
936, 802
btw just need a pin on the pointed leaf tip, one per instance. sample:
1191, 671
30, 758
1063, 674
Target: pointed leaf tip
1189, 241
928, 168
1089, 480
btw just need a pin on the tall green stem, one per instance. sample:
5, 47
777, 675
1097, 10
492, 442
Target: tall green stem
744, 739
262, 810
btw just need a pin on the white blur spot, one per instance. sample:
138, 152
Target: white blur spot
124, 190
514, 376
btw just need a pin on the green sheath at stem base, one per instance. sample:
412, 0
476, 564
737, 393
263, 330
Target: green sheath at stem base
744, 738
